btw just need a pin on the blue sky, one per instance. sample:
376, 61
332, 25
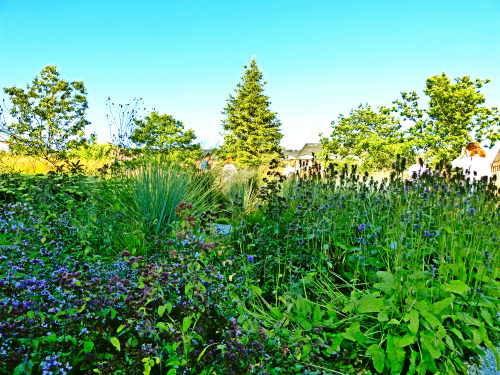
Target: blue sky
320, 58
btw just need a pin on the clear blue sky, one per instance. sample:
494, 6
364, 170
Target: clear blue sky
320, 58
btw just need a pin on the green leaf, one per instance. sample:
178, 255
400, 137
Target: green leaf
115, 342
89, 345
113, 314
255, 289
378, 357
305, 351
439, 306
19, 370
318, 315
31, 314
487, 317
414, 321
161, 310
350, 333
186, 323
429, 342
382, 316
120, 328
456, 286
369, 304
388, 282
406, 340
412, 368
396, 356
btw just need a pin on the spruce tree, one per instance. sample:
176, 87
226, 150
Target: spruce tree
251, 131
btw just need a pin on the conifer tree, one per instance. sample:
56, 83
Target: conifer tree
251, 131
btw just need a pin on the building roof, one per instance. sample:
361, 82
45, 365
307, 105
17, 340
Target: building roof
290, 154
309, 151
495, 167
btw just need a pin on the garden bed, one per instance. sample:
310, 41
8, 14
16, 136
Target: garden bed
342, 275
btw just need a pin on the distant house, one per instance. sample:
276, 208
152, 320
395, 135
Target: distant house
495, 167
4, 146
290, 154
309, 151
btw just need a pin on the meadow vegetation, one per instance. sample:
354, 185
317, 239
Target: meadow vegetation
126, 273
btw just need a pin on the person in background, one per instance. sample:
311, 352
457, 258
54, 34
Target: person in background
229, 169
416, 170
473, 162
290, 169
206, 164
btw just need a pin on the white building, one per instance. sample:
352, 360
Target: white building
4, 146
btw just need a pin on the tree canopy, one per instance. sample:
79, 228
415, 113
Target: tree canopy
251, 130
49, 115
456, 115
163, 133
375, 136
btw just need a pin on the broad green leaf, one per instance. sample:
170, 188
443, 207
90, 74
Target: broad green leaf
318, 315
19, 370
487, 317
382, 316
255, 289
88, 346
113, 314
186, 323
369, 304
378, 357
396, 356
115, 342
406, 340
414, 320
439, 306
305, 351
120, 328
388, 282
351, 331
31, 314
161, 310
456, 286
429, 343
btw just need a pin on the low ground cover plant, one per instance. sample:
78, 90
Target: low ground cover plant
338, 275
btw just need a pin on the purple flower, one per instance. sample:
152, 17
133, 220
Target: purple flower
250, 258
362, 227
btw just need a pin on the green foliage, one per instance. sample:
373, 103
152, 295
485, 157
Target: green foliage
251, 131
456, 115
93, 151
164, 134
155, 189
374, 136
49, 115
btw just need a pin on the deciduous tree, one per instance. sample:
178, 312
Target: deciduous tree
375, 136
456, 115
163, 133
251, 130
49, 116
